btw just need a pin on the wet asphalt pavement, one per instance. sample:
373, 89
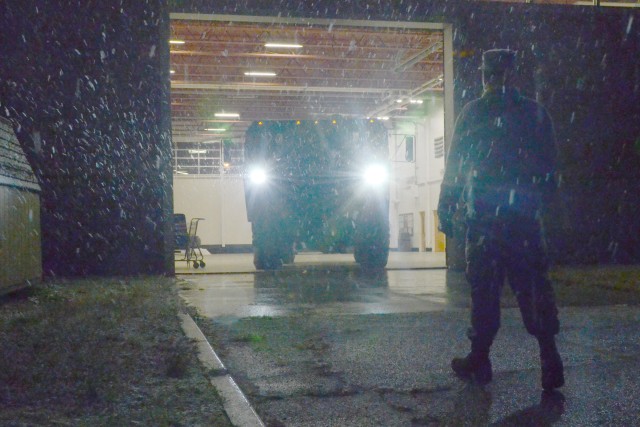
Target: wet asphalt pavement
326, 345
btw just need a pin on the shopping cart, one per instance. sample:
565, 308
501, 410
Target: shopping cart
188, 240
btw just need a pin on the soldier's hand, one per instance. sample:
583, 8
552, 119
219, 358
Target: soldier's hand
446, 226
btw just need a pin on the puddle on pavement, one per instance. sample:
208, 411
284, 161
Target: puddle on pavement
339, 290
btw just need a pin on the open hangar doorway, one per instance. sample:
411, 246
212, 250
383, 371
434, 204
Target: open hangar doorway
228, 71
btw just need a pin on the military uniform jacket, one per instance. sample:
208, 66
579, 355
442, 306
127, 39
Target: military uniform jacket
502, 158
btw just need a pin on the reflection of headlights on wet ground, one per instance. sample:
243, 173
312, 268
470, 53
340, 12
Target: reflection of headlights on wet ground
258, 176
375, 175
313, 285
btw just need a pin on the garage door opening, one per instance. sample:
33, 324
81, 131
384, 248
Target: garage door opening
230, 71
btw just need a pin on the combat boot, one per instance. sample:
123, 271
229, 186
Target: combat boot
475, 366
552, 376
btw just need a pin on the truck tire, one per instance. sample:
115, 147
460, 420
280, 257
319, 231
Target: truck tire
272, 245
372, 255
266, 259
371, 240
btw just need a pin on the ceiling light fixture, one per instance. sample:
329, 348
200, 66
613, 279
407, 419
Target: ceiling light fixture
197, 151
284, 45
215, 129
227, 115
416, 101
176, 42
260, 73
172, 71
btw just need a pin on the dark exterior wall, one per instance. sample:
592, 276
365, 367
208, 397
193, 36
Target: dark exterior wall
582, 63
92, 78
87, 77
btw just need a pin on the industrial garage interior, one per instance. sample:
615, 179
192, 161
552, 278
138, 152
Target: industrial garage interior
228, 71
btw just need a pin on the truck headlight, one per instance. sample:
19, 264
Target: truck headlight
258, 176
375, 175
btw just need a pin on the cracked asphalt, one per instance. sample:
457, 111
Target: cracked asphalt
329, 346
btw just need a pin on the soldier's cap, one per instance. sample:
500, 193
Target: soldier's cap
498, 60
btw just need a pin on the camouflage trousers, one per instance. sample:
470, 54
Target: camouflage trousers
508, 248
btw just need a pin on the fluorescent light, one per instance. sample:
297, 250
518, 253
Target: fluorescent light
176, 41
416, 101
197, 151
399, 101
172, 71
228, 115
284, 45
215, 129
260, 73
383, 118
181, 172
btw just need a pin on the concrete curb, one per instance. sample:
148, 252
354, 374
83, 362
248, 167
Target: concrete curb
236, 405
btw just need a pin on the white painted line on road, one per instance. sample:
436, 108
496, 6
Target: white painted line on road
238, 408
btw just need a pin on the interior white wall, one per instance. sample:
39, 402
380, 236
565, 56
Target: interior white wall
416, 185
220, 202
436, 124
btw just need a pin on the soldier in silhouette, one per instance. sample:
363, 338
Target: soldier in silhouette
501, 168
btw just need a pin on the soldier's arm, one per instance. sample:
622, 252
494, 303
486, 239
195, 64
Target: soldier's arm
453, 180
549, 182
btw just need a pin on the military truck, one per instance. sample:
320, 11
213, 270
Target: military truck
318, 185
